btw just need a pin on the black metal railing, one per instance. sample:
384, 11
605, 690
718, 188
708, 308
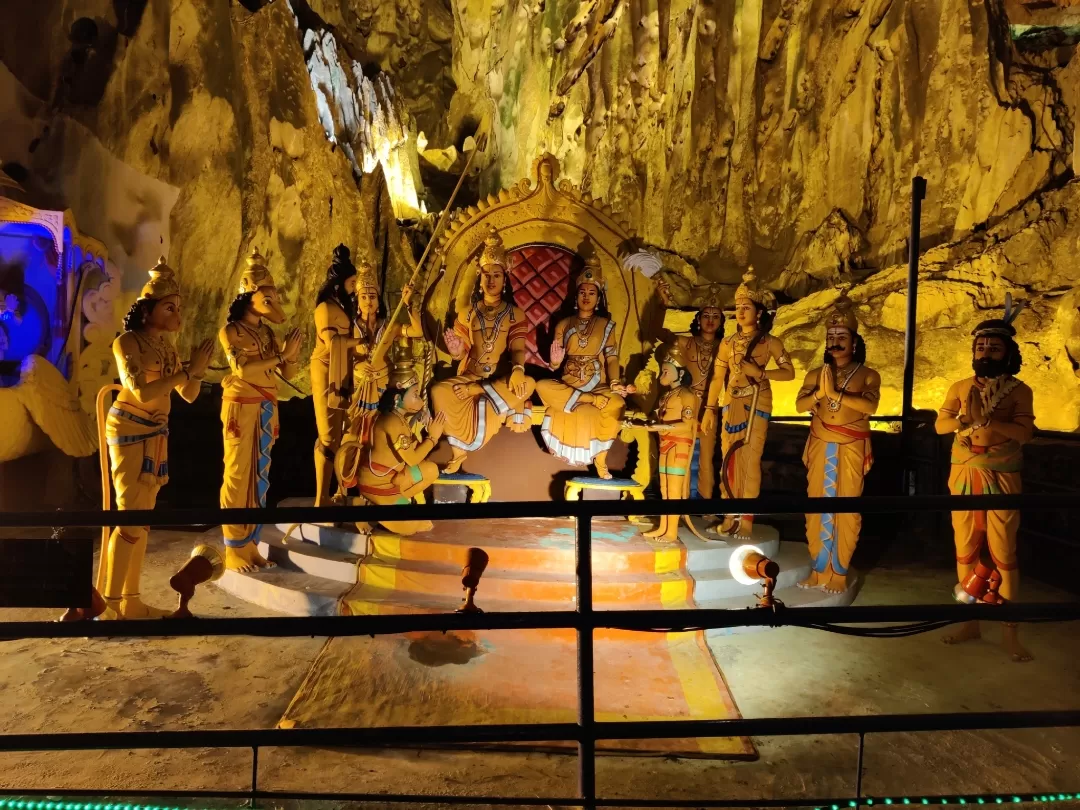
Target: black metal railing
584, 620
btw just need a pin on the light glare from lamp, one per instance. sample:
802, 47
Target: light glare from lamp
735, 565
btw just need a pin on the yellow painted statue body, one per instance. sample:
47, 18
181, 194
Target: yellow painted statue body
732, 390
136, 432
700, 355
331, 385
476, 403
395, 468
584, 414
676, 423
837, 457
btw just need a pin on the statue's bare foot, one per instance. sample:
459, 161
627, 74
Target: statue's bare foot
455, 463
659, 530
246, 559
132, 607
969, 631
835, 583
812, 581
97, 607
602, 470
1011, 641
727, 526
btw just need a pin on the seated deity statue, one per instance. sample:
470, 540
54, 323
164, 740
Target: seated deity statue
482, 397
585, 406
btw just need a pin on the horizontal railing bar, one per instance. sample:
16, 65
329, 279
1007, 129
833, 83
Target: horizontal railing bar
766, 505
534, 801
642, 620
389, 736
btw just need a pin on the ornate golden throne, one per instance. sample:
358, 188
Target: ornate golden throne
549, 227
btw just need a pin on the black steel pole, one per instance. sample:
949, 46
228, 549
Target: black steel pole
918, 193
586, 685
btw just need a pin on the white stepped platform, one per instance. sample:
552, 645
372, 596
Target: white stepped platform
317, 566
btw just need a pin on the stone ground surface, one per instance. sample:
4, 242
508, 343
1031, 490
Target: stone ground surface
85, 685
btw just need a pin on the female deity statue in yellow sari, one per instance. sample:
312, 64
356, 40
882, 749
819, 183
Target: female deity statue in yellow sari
585, 406
742, 377
249, 411
482, 397
137, 430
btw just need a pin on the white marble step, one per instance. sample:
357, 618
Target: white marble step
330, 537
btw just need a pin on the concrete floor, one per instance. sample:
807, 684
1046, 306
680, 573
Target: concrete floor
85, 685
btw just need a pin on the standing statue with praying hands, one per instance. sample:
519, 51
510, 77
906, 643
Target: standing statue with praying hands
991, 417
842, 394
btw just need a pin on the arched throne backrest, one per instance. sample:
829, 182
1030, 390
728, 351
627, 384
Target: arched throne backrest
548, 227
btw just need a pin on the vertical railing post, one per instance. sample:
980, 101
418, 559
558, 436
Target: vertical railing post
586, 685
859, 770
918, 192
254, 774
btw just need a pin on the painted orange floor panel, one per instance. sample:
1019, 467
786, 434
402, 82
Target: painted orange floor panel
529, 676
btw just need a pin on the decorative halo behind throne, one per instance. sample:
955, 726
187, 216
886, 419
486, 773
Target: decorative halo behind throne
549, 227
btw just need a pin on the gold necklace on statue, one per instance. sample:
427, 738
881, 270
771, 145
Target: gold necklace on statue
706, 349
488, 338
584, 331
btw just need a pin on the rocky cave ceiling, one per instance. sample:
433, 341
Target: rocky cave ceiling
782, 133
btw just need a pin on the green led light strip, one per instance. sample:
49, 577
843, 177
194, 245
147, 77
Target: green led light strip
1001, 798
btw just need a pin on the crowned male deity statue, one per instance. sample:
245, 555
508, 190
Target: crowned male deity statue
485, 339
584, 407
699, 350
740, 389
842, 394
137, 430
249, 409
991, 417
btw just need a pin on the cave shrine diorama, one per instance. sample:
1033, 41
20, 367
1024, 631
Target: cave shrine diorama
334, 253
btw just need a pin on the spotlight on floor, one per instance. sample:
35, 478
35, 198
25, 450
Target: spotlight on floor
204, 565
475, 564
981, 585
750, 566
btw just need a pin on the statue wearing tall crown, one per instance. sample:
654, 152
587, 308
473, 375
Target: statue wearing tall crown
249, 409
842, 394
740, 389
136, 432
486, 339
699, 350
585, 406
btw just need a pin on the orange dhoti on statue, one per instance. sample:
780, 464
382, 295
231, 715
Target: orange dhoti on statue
574, 431
980, 470
249, 418
743, 472
473, 421
837, 458
139, 454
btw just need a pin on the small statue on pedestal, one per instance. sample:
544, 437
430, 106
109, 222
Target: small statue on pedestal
249, 411
394, 469
841, 394
992, 417
331, 364
741, 375
585, 407
137, 430
676, 422
477, 402
700, 348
